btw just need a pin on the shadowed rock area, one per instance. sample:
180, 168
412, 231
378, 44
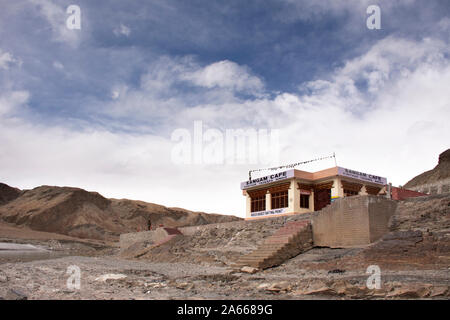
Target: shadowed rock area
7, 193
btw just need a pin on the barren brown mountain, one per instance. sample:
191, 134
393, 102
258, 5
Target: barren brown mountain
79, 213
440, 172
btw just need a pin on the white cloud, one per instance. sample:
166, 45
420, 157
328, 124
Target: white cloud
385, 112
118, 91
11, 101
172, 85
310, 10
58, 65
56, 16
115, 94
7, 59
388, 61
397, 128
122, 30
226, 74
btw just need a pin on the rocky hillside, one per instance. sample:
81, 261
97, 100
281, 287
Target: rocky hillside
440, 172
7, 193
419, 236
79, 213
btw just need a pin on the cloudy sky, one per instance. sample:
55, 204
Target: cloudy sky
100, 107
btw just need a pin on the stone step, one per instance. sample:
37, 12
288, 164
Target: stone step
259, 255
263, 251
283, 244
279, 241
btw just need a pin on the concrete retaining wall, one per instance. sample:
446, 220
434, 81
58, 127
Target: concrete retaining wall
352, 221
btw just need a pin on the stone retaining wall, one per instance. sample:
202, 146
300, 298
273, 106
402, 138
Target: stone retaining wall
243, 224
153, 236
127, 239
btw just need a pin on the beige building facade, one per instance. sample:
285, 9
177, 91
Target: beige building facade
295, 191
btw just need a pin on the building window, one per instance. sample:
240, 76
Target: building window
280, 199
349, 193
258, 203
351, 188
304, 201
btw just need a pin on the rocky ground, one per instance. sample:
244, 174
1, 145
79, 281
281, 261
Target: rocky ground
109, 277
414, 262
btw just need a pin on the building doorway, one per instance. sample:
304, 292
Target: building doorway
322, 198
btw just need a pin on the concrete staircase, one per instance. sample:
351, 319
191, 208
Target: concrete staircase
290, 240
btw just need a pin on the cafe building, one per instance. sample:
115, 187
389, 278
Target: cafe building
294, 191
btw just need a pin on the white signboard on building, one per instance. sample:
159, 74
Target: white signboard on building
268, 212
268, 179
361, 176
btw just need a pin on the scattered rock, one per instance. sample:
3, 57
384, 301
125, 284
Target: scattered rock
284, 286
316, 287
14, 294
394, 290
263, 286
324, 290
438, 291
411, 291
68, 291
247, 269
336, 271
184, 286
55, 244
111, 276
343, 287
156, 285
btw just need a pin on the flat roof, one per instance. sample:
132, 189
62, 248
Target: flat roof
313, 176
